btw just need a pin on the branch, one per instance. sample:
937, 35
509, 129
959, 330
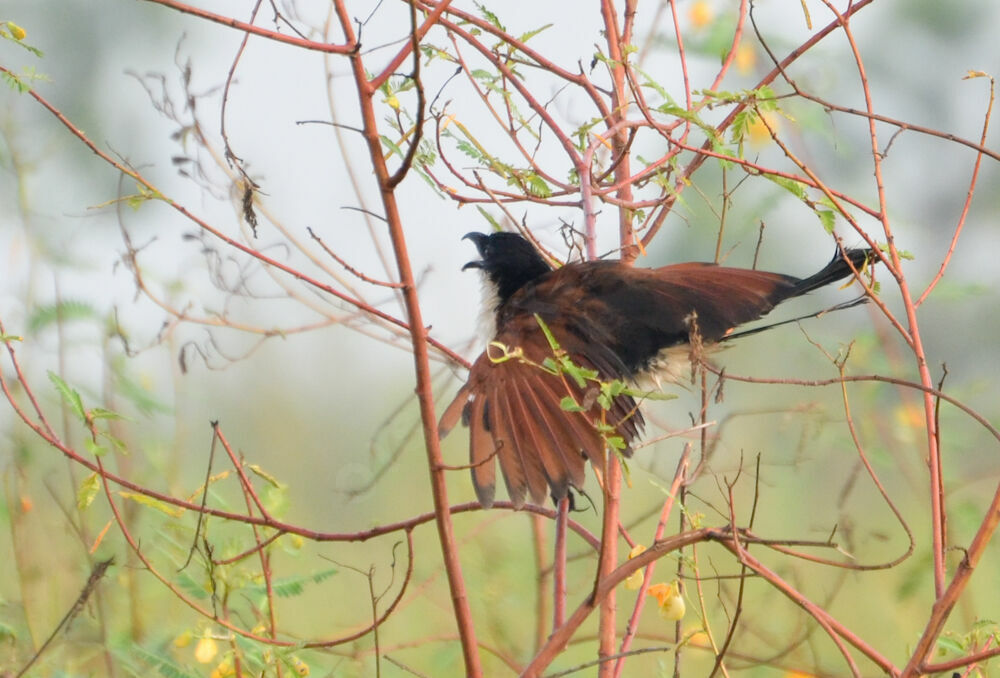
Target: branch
348, 48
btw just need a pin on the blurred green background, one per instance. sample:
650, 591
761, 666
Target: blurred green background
329, 413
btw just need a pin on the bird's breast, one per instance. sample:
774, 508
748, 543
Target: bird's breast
486, 323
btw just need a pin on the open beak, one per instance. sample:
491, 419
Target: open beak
479, 240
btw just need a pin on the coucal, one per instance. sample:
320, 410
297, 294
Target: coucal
624, 323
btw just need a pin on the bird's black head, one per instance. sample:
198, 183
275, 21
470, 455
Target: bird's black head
508, 260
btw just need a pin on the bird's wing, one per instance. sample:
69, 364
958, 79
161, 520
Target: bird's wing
722, 298
513, 407
623, 317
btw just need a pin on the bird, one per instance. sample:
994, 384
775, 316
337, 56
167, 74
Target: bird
573, 348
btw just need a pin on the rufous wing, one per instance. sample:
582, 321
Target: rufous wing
513, 407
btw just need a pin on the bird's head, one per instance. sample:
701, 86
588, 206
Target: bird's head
508, 262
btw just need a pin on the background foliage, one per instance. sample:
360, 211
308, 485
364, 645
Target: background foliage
137, 329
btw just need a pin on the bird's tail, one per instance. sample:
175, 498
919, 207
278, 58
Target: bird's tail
837, 269
836, 307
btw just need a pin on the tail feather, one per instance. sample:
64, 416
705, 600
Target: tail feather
836, 307
837, 269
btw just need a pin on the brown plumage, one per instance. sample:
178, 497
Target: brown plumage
624, 323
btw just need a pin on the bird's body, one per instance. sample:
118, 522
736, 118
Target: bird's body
624, 323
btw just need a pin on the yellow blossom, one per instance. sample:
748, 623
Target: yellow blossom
700, 14
301, 668
223, 670
205, 650
16, 31
758, 130
634, 580
746, 58
183, 640
699, 639
669, 600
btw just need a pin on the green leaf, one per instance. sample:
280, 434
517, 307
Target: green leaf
741, 125
765, 98
650, 395
553, 344
101, 413
193, 588
94, 448
489, 218
903, 254
71, 397
290, 587
947, 644
135, 201
796, 188
276, 500
626, 471
15, 83
163, 507
537, 187
581, 375
17, 36
162, 663
7, 633
140, 396
119, 445
569, 404
491, 17
256, 468
723, 163
828, 219
525, 37
65, 311
391, 145
614, 388
88, 489
470, 150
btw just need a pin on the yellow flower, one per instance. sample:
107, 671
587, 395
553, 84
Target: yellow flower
699, 639
223, 670
700, 14
746, 58
205, 650
183, 640
16, 31
634, 580
758, 131
669, 599
301, 668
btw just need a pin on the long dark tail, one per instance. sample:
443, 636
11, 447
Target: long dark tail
837, 269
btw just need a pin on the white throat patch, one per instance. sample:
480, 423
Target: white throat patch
486, 325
